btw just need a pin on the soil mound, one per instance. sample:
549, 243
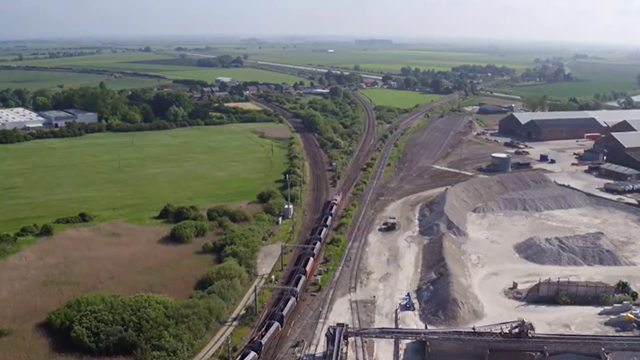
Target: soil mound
577, 250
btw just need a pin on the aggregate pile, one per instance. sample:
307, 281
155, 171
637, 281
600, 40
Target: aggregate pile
576, 250
445, 297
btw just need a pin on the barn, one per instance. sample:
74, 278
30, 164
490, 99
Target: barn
620, 148
547, 126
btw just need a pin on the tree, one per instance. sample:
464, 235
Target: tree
274, 207
245, 56
183, 213
335, 92
182, 233
386, 77
102, 85
146, 113
131, 117
176, 113
147, 49
410, 82
356, 67
406, 70
41, 104
535, 102
183, 56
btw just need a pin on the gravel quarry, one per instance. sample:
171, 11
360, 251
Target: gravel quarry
487, 233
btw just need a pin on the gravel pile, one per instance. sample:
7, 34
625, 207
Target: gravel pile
576, 250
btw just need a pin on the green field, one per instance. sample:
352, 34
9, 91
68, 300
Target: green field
131, 176
398, 98
134, 61
34, 80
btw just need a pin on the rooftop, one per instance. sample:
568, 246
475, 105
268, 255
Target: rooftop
635, 123
604, 117
18, 115
628, 139
224, 79
76, 111
619, 169
56, 113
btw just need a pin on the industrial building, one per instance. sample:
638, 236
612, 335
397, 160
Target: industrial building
546, 126
23, 119
20, 118
617, 172
620, 148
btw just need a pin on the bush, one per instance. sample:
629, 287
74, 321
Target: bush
562, 298
275, 207
86, 217
83, 217
229, 269
183, 213
207, 247
167, 212
221, 211
182, 233
5, 331
200, 229
28, 230
268, 194
224, 223
148, 326
603, 299
46, 230
7, 239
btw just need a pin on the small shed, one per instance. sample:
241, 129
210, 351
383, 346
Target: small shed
618, 172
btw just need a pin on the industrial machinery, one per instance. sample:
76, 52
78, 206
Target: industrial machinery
390, 224
408, 304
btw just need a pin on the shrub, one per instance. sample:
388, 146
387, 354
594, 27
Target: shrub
266, 195
7, 239
28, 230
221, 211
68, 220
562, 298
620, 298
623, 287
207, 247
183, 213
167, 212
224, 223
46, 230
604, 299
226, 289
5, 331
200, 229
229, 269
148, 326
182, 233
86, 217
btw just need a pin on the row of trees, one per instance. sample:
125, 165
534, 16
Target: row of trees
124, 111
222, 61
549, 73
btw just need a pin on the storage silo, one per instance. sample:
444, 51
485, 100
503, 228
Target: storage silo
500, 162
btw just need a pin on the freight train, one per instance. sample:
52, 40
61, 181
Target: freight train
298, 277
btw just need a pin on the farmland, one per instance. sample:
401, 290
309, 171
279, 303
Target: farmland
33, 80
152, 63
398, 98
131, 176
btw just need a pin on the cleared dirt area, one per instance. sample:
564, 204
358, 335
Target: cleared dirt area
280, 132
477, 228
113, 257
244, 105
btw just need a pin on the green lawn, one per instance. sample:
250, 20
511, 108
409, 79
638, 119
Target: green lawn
134, 62
398, 98
131, 176
34, 80
584, 89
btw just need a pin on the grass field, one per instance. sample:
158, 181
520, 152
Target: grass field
244, 105
34, 80
398, 98
138, 61
131, 176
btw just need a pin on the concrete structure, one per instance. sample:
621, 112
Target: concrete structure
617, 172
20, 118
545, 126
620, 149
58, 118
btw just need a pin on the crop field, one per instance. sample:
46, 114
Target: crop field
162, 65
398, 98
34, 80
131, 176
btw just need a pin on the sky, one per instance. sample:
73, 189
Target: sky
588, 21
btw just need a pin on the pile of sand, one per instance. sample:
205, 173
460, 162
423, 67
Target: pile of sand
445, 297
577, 250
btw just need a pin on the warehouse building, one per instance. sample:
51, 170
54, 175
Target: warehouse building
20, 118
23, 119
547, 126
620, 148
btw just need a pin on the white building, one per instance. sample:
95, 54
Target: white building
23, 119
227, 80
20, 118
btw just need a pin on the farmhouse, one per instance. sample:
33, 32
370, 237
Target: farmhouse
620, 148
226, 80
23, 119
546, 126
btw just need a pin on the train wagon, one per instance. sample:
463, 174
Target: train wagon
298, 284
248, 355
270, 329
326, 221
337, 197
330, 209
